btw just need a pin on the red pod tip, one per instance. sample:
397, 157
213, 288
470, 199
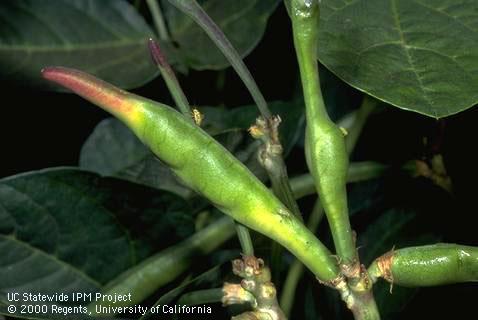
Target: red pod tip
89, 87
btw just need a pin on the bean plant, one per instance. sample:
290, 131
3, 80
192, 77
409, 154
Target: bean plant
179, 210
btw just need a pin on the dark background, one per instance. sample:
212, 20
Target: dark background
45, 129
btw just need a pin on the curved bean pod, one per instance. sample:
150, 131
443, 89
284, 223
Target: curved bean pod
326, 152
204, 165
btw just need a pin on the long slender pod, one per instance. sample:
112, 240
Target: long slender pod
204, 165
431, 265
325, 145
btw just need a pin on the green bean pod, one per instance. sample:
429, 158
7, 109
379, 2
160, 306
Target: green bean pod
430, 265
204, 165
326, 152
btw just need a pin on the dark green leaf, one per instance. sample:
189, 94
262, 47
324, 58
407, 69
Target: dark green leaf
45, 222
67, 230
104, 37
364, 195
154, 219
382, 235
113, 150
414, 54
55, 238
243, 22
311, 310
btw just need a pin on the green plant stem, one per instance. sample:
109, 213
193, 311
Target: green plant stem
196, 12
244, 239
160, 269
282, 188
201, 297
270, 158
255, 288
304, 185
158, 19
325, 145
360, 118
170, 78
364, 307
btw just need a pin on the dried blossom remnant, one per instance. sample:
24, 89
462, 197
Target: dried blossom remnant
256, 132
334, 283
351, 270
268, 131
248, 267
256, 281
235, 294
435, 171
384, 264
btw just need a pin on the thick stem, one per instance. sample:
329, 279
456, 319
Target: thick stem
244, 239
364, 307
359, 298
256, 282
270, 157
